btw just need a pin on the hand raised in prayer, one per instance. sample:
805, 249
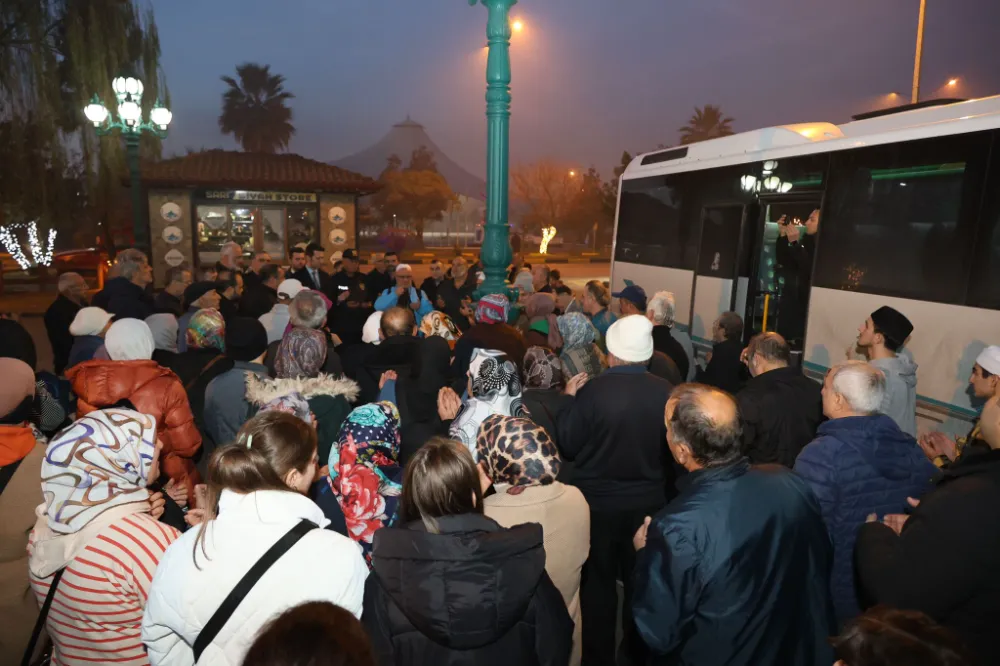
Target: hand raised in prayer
200, 495
177, 491
639, 540
386, 376
400, 291
194, 517
449, 404
936, 444
576, 383
157, 504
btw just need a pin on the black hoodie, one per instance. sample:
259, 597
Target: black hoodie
475, 593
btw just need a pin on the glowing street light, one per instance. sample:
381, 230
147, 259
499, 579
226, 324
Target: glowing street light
517, 25
953, 82
572, 174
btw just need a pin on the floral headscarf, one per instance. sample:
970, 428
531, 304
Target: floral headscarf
576, 330
496, 389
493, 309
293, 403
206, 330
365, 474
441, 325
301, 353
517, 452
99, 462
542, 369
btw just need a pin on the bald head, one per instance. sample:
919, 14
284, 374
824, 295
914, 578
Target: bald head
703, 424
398, 321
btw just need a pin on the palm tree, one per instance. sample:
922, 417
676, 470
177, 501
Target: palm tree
706, 123
254, 110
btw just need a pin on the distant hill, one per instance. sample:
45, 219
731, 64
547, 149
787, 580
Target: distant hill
402, 140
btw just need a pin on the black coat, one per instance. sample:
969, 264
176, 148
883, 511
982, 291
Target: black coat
325, 281
378, 282
57, 320
725, 370
664, 367
474, 594
452, 297
614, 433
664, 342
166, 302
257, 300
124, 299
736, 570
944, 562
781, 410
400, 353
430, 287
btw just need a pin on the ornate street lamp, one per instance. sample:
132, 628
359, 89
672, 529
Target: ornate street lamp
128, 92
496, 253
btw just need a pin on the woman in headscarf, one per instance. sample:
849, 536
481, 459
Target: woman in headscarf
164, 329
364, 471
22, 448
544, 384
438, 324
131, 375
299, 359
542, 328
15, 342
522, 462
204, 359
494, 388
491, 331
95, 527
580, 352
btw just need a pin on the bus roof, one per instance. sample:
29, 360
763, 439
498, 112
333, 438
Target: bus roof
809, 138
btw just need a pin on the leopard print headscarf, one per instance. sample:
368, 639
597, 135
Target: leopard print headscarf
518, 452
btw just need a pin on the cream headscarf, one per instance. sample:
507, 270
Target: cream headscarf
164, 328
129, 340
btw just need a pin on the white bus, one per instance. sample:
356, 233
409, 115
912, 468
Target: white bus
909, 209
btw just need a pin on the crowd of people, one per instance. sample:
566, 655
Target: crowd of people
545, 481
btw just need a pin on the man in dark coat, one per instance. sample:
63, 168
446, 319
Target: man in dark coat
260, 297
725, 369
942, 559
735, 570
311, 275
614, 434
779, 406
169, 300
379, 278
455, 294
398, 351
352, 300
72, 296
251, 276
431, 284
125, 295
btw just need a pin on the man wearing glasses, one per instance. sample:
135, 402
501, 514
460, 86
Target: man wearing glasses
404, 295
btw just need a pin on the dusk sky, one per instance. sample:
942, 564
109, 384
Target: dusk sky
591, 77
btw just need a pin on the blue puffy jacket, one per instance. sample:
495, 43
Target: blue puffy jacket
857, 466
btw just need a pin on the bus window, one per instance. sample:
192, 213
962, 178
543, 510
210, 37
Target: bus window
900, 219
984, 283
650, 224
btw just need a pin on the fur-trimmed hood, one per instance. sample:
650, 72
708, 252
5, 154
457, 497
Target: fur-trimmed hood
262, 390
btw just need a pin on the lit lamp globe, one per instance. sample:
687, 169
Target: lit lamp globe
125, 86
161, 116
95, 112
129, 112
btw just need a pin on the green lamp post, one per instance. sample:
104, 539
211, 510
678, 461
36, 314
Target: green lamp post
128, 92
496, 253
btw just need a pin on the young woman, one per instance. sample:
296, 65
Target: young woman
889, 637
450, 586
521, 460
255, 496
96, 527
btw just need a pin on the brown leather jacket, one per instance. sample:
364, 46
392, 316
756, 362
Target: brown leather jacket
153, 390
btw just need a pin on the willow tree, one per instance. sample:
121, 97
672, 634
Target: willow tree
54, 55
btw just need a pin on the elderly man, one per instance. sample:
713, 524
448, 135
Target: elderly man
725, 368
58, 317
735, 570
540, 277
125, 295
230, 257
455, 294
398, 350
942, 558
431, 283
198, 296
251, 277
614, 434
405, 295
631, 300
860, 463
780, 407
276, 321
169, 300
660, 310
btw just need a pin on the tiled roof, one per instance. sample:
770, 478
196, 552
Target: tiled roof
254, 171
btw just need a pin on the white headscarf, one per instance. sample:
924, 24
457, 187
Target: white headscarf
129, 340
370, 331
164, 329
496, 389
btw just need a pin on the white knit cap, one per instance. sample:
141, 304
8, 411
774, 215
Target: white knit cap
290, 287
989, 360
369, 333
631, 339
89, 321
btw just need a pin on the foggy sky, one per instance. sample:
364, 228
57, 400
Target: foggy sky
591, 77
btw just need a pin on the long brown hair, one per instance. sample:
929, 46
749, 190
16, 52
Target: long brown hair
441, 480
267, 447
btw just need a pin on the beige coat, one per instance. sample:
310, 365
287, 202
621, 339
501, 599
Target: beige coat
18, 608
564, 516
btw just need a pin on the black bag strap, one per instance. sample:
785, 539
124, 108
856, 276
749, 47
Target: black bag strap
40, 622
232, 602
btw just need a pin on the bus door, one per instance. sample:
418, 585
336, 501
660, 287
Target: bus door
720, 279
781, 271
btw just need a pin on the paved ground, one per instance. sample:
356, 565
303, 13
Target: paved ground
32, 305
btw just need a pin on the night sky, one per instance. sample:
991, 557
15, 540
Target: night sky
591, 77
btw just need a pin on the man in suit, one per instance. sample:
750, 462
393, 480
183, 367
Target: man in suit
312, 276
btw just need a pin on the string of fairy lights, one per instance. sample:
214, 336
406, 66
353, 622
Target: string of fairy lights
41, 255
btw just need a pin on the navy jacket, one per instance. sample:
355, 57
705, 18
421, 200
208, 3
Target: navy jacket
736, 571
124, 299
857, 466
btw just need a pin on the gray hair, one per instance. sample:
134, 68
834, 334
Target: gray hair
307, 309
861, 385
661, 308
68, 281
129, 262
231, 248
